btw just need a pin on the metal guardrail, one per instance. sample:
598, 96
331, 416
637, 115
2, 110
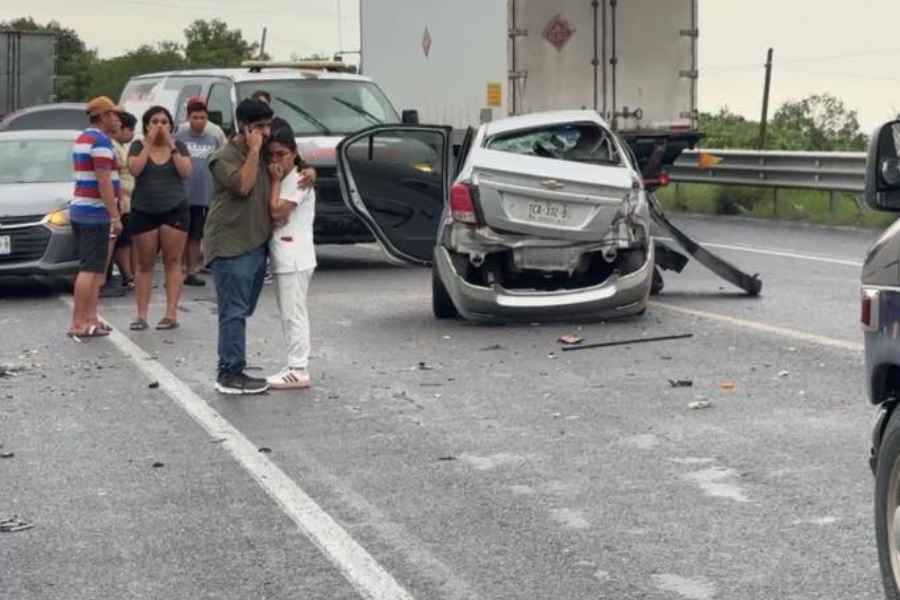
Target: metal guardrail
822, 171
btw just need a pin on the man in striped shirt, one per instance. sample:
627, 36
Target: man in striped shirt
94, 212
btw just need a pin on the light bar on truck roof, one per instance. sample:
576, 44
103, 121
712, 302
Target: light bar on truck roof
332, 66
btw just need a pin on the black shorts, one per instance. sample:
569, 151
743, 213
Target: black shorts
198, 222
92, 240
124, 239
142, 222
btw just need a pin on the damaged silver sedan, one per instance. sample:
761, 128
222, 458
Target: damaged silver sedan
543, 216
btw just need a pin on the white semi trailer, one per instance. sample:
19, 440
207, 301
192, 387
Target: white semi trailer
467, 61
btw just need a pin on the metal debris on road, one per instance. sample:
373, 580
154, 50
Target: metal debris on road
423, 366
7, 454
492, 348
570, 340
153, 385
681, 383
665, 338
13, 525
700, 405
265, 450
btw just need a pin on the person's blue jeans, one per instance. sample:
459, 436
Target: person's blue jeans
239, 282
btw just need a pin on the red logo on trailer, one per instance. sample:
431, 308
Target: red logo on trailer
558, 32
426, 42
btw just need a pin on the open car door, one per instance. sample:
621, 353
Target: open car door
396, 178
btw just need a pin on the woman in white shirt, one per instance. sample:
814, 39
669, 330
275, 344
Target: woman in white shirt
291, 251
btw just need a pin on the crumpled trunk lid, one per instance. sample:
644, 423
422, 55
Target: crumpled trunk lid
549, 198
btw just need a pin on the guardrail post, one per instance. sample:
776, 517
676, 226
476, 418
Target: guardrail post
775, 202
832, 203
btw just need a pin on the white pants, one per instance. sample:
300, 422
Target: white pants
292, 289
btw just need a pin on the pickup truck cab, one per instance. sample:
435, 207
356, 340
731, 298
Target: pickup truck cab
323, 102
880, 316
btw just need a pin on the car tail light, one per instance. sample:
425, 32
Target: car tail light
462, 208
868, 310
661, 180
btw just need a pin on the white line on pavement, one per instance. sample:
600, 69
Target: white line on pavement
368, 577
780, 253
764, 328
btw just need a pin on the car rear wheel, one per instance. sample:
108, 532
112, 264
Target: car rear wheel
441, 303
887, 507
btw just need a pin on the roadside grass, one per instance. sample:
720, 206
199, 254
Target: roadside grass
791, 205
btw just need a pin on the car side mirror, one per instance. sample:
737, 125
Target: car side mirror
410, 117
883, 169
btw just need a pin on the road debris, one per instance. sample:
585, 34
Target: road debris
11, 369
265, 450
14, 524
423, 366
700, 405
784, 373
571, 340
158, 465
647, 340
153, 385
681, 383
446, 458
728, 386
493, 348
7, 454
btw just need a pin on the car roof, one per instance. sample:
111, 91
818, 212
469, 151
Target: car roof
241, 75
541, 119
55, 106
39, 134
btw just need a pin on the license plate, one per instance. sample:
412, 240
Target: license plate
543, 211
5, 244
547, 259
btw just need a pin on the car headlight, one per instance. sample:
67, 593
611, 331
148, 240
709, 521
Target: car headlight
58, 218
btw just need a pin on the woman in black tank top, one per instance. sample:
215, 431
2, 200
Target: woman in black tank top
159, 212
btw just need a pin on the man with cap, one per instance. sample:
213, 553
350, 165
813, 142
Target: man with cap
202, 145
94, 212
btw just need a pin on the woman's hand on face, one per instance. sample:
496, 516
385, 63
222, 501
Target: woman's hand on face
275, 171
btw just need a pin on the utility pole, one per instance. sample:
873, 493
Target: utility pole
763, 124
262, 44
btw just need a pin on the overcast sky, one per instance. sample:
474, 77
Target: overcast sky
849, 49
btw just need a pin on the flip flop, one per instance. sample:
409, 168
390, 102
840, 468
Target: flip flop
91, 332
166, 323
139, 325
104, 325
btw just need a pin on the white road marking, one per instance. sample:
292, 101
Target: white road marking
779, 253
363, 572
764, 328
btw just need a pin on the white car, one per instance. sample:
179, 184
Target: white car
544, 216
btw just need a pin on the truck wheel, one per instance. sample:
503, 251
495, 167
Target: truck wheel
658, 284
887, 507
441, 303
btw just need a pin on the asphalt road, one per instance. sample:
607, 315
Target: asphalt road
445, 460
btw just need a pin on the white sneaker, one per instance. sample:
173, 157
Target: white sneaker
289, 379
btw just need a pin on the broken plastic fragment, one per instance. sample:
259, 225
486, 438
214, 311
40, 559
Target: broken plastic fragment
728, 386
700, 405
570, 340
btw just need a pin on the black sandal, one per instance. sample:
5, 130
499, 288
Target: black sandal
139, 325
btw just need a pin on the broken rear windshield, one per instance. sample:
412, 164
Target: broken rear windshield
576, 142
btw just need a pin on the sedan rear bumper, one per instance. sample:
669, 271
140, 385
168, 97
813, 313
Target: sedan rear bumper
618, 296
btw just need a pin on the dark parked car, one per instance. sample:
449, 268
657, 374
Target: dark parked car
35, 189
69, 116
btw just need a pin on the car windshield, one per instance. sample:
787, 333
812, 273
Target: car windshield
577, 142
55, 118
325, 106
35, 161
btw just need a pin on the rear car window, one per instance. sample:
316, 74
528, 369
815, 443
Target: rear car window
140, 90
576, 142
35, 161
58, 118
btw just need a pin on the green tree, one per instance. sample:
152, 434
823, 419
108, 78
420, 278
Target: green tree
74, 61
728, 130
212, 44
821, 122
111, 75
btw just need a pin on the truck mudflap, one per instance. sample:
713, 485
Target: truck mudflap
749, 283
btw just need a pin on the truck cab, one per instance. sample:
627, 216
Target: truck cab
880, 317
323, 102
